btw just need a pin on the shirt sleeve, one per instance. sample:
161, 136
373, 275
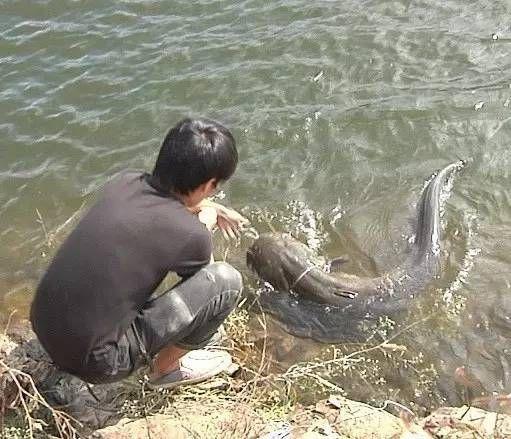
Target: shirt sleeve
195, 254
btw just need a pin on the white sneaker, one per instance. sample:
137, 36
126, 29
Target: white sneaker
195, 366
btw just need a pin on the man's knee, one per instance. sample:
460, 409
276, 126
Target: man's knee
226, 275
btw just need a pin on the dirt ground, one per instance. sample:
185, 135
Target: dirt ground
249, 404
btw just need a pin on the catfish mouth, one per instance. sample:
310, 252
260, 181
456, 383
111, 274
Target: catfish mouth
268, 254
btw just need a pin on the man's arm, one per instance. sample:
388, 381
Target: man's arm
208, 216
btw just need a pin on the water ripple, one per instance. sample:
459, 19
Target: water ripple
336, 106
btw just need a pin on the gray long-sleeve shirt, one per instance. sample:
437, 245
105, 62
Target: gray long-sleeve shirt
110, 264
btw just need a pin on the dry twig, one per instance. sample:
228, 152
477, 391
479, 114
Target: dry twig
63, 422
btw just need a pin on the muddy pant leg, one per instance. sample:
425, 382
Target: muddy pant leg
190, 313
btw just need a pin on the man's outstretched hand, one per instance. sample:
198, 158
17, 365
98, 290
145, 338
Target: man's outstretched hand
228, 220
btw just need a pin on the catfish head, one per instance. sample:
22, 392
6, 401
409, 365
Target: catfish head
288, 265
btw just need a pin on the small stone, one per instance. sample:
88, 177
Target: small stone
335, 401
479, 105
494, 37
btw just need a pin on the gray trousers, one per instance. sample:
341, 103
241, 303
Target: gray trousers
187, 316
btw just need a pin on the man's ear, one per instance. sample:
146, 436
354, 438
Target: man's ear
210, 186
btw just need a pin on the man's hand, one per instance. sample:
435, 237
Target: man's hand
208, 216
228, 220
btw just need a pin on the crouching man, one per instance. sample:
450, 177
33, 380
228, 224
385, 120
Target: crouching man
94, 310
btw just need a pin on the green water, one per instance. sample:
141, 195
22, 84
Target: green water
341, 111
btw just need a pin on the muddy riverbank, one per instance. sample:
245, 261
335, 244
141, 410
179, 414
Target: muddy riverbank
248, 404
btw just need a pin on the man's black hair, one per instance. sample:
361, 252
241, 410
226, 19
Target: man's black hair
193, 152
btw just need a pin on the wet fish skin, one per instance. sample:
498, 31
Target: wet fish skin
286, 264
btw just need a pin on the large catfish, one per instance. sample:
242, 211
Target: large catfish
312, 303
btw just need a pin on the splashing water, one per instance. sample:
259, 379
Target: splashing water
304, 220
297, 219
454, 301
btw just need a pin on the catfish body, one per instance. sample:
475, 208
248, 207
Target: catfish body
313, 303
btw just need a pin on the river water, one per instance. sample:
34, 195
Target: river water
341, 111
